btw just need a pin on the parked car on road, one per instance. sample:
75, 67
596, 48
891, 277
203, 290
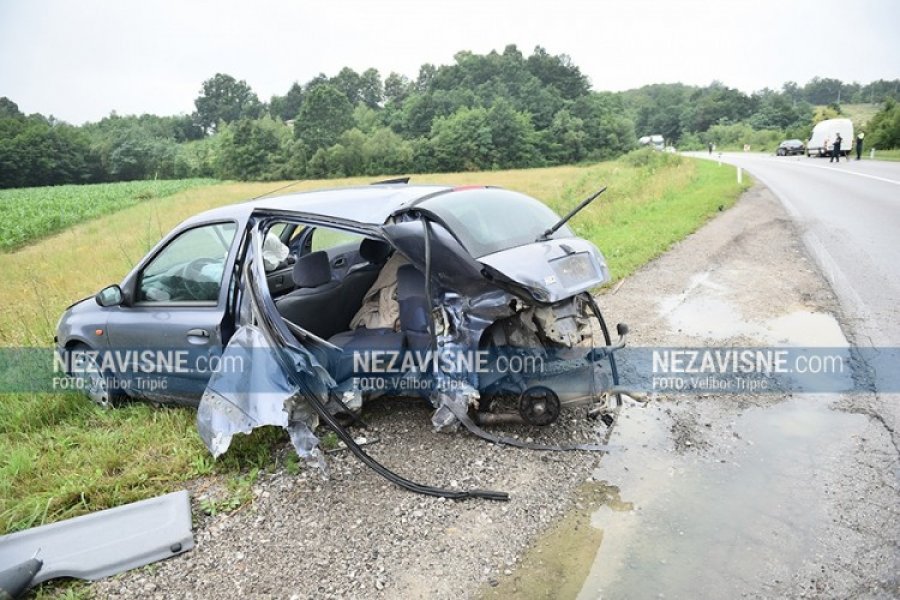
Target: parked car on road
790, 147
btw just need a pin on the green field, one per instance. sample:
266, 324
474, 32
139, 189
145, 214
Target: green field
61, 456
860, 114
27, 214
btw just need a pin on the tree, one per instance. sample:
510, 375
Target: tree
224, 99
565, 141
256, 149
716, 104
462, 141
325, 115
288, 106
822, 91
608, 132
778, 111
558, 72
9, 109
884, 127
371, 91
41, 153
396, 88
512, 136
386, 153
349, 83
823, 113
367, 119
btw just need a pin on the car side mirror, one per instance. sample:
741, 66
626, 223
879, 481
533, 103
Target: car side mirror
110, 296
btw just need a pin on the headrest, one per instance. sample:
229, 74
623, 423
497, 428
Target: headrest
312, 270
374, 251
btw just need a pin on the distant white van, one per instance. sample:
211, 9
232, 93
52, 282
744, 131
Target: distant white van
823, 135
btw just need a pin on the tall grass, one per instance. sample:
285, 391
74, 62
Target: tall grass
61, 456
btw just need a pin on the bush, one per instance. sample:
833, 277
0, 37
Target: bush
652, 159
735, 136
884, 128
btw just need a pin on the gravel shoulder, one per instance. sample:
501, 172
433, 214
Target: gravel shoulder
355, 535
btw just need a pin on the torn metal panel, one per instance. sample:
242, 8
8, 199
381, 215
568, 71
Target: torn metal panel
257, 394
107, 542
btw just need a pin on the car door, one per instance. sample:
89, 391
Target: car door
176, 312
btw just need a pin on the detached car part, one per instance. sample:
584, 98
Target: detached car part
103, 543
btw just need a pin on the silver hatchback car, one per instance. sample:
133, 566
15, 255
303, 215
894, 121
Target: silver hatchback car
298, 309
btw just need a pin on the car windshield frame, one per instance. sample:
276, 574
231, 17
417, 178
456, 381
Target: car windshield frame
491, 220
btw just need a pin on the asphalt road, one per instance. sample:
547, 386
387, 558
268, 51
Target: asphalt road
849, 213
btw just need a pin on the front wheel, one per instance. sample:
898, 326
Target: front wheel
99, 387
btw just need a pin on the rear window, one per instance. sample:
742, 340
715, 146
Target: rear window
491, 220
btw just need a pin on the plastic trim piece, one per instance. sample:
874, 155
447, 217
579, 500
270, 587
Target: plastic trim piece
107, 542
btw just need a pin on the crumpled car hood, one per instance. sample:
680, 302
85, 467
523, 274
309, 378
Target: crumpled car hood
552, 270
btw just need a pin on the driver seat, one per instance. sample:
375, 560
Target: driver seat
311, 305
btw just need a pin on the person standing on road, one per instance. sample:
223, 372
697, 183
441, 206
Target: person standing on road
836, 148
710, 146
859, 145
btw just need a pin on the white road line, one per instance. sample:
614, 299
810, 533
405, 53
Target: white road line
835, 170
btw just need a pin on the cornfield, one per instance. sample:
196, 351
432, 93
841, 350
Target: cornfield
27, 214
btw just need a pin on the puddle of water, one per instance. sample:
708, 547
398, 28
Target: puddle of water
711, 315
557, 564
805, 328
709, 318
701, 527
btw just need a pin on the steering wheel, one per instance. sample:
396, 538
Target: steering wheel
193, 278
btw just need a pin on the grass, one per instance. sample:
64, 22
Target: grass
27, 214
884, 154
61, 456
860, 114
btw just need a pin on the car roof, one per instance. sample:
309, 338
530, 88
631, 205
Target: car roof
368, 204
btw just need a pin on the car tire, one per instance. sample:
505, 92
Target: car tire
100, 388
781, 152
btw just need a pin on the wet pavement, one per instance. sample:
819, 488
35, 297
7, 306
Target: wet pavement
769, 494
744, 519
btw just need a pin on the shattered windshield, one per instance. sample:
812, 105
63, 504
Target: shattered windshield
491, 220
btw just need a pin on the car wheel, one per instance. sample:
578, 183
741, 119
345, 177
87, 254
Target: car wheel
781, 152
99, 387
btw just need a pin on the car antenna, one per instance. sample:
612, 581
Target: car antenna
278, 189
571, 214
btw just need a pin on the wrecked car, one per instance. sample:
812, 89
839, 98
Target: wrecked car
298, 309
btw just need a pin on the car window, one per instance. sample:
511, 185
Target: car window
190, 267
488, 221
324, 239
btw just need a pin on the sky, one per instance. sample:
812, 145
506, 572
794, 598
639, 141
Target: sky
80, 60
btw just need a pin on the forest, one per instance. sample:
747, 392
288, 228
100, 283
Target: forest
485, 111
